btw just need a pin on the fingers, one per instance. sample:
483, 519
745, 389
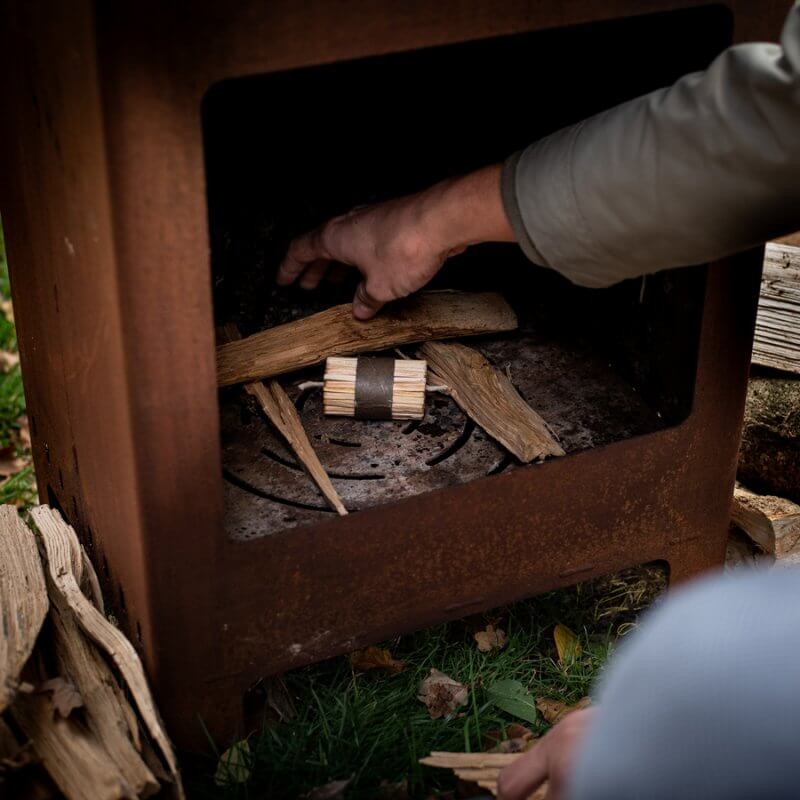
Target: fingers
303, 250
313, 274
364, 305
526, 774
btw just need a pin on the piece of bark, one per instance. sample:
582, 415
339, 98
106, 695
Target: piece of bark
771, 522
282, 413
769, 456
23, 600
335, 332
777, 336
488, 397
481, 768
61, 545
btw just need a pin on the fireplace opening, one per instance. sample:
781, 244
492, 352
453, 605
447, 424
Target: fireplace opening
285, 151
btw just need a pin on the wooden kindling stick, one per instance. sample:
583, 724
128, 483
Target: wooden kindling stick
281, 412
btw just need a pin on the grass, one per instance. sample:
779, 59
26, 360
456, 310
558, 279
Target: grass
370, 726
20, 488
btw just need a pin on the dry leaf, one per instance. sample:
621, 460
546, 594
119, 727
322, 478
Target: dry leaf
65, 696
515, 738
234, 765
567, 644
491, 639
330, 791
375, 658
8, 360
441, 694
555, 710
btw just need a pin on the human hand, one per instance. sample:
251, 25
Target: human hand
399, 245
550, 759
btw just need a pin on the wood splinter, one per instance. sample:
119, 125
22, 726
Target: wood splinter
488, 397
281, 412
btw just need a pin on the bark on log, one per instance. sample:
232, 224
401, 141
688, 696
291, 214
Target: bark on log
769, 457
282, 413
335, 332
489, 397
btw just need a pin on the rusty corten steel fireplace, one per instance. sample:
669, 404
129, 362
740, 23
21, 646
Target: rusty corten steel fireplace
157, 158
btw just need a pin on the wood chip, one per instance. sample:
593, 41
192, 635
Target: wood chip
335, 332
282, 413
488, 397
23, 600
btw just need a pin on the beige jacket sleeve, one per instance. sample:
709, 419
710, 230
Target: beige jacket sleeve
689, 173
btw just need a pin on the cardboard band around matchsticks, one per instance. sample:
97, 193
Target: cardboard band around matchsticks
374, 388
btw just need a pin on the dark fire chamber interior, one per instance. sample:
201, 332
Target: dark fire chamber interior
285, 151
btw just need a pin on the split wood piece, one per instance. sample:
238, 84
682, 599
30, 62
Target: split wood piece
481, 768
335, 332
60, 545
23, 600
374, 388
771, 522
73, 757
488, 396
282, 413
777, 336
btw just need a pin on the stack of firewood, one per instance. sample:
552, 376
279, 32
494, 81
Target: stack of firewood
767, 501
77, 719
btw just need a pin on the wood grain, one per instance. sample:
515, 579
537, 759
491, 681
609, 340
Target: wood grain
777, 337
771, 522
60, 545
489, 397
23, 600
335, 332
282, 413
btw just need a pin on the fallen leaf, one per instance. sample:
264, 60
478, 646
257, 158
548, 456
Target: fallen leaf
567, 644
441, 694
330, 791
514, 738
375, 658
491, 639
8, 360
555, 710
64, 695
514, 698
393, 791
234, 765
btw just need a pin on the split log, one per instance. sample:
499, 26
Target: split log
488, 396
64, 563
481, 768
769, 457
777, 336
773, 523
23, 600
282, 413
335, 332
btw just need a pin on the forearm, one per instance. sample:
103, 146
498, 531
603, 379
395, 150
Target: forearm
690, 173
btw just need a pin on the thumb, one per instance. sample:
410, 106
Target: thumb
365, 306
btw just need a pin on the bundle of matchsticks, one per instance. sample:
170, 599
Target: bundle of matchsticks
375, 388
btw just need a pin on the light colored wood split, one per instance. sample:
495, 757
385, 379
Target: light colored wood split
335, 332
488, 396
282, 413
23, 600
771, 522
60, 543
777, 336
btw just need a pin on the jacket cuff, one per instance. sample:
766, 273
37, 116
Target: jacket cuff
508, 191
